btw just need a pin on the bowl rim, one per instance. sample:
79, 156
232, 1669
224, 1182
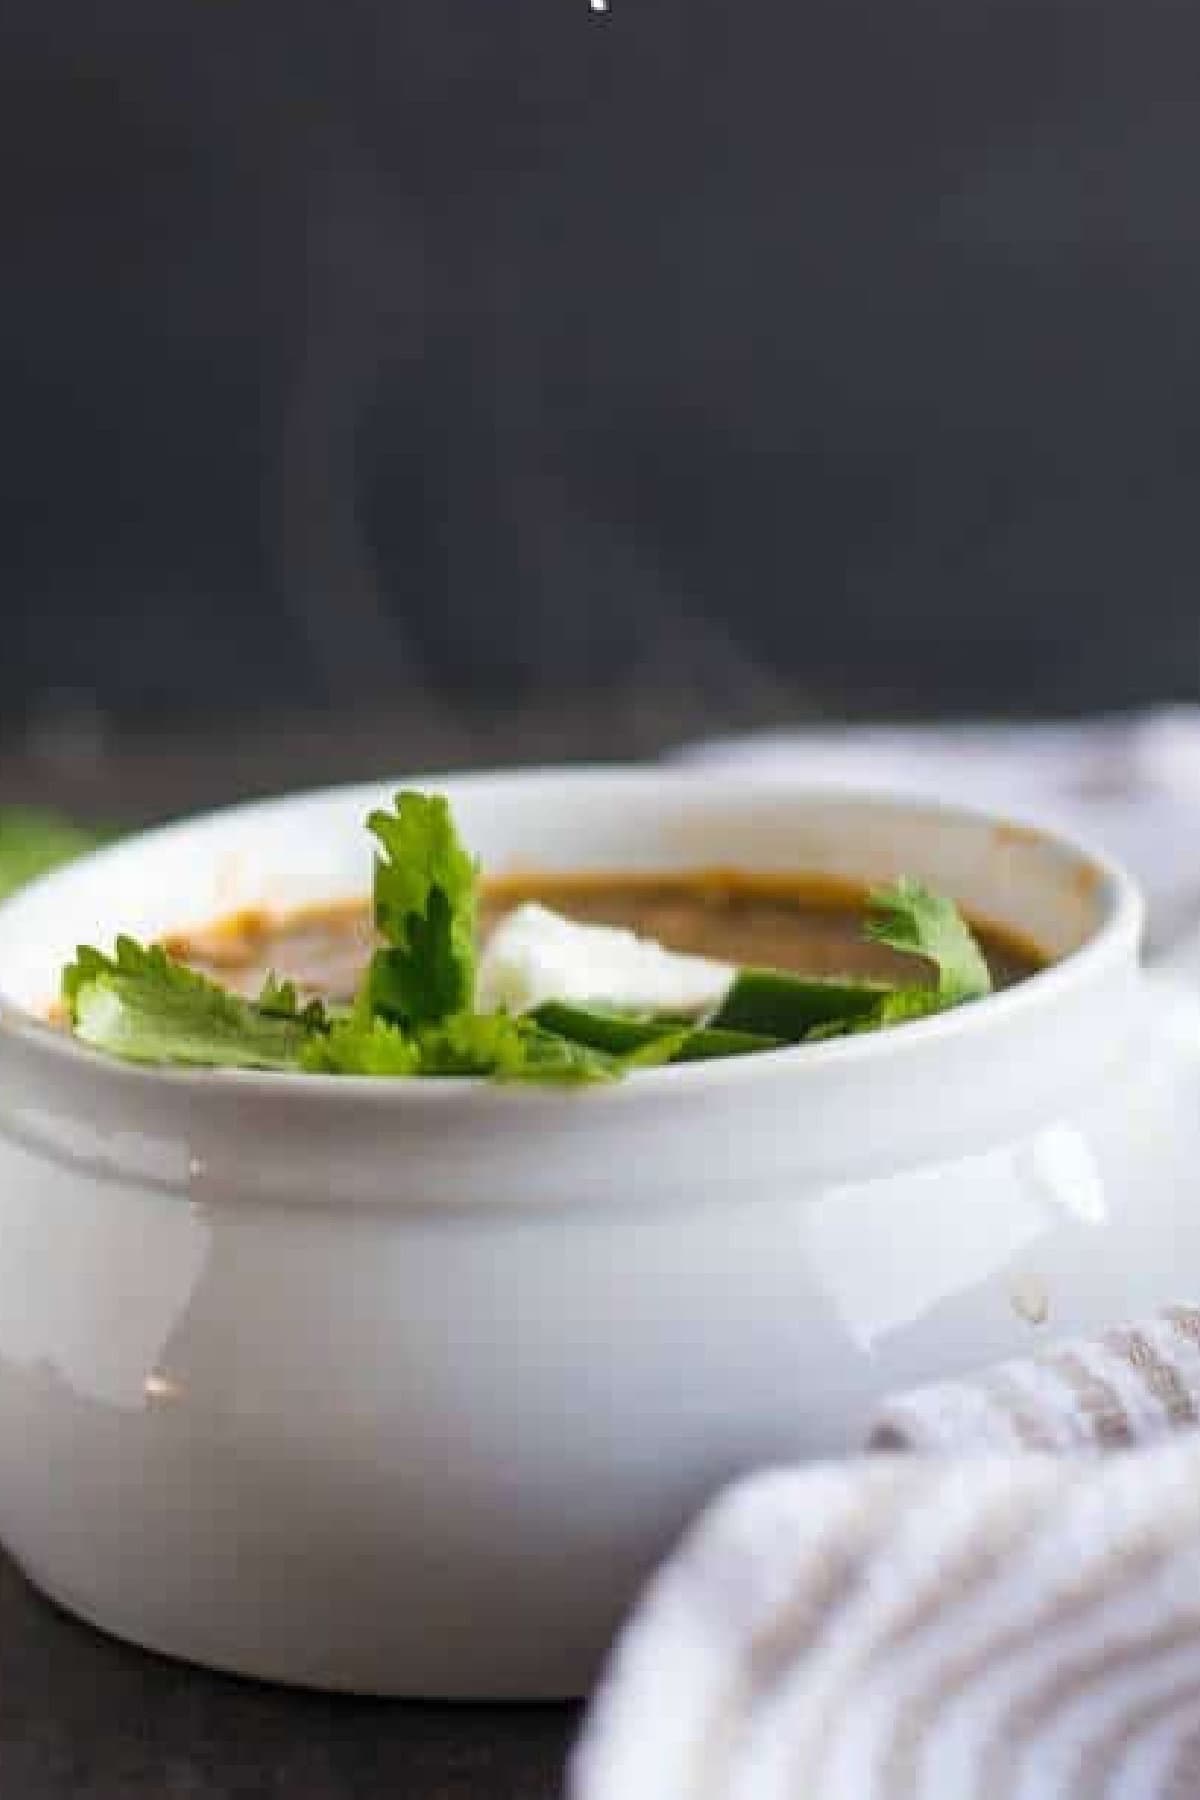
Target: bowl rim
1118, 935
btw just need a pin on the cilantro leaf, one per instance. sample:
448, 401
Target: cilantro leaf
358, 1046
425, 907
279, 996
511, 1049
910, 1003
909, 918
142, 1005
33, 842
281, 999
895, 1007
492, 1045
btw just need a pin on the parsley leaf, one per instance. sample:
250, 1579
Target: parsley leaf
907, 917
142, 1005
425, 906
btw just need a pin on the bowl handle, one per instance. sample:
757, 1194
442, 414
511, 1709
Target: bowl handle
1176, 953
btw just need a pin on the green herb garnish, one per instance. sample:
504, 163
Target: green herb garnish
281, 1000
909, 918
624, 1035
414, 1015
425, 907
511, 1049
482, 1044
142, 1005
790, 1008
806, 1009
361, 1047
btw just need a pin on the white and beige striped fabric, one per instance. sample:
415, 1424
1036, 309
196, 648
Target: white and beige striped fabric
1131, 1386
1004, 1625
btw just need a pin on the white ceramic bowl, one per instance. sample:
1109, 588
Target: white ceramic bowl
404, 1387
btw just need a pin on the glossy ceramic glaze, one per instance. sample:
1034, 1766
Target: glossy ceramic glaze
404, 1387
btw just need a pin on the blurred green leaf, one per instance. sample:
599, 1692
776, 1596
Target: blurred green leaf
33, 841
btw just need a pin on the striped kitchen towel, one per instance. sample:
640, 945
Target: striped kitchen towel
1128, 1387
999, 1623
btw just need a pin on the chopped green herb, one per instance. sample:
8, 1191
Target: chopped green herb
414, 1014
425, 907
911, 1003
909, 918
142, 1005
895, 1007
509, 1049
480, 1044
281, 999
357, 1047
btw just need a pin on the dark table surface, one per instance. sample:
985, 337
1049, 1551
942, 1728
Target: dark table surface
85, 1718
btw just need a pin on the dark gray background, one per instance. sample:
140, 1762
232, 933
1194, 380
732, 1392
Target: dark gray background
811, 353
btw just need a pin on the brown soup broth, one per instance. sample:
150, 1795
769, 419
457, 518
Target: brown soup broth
808, 924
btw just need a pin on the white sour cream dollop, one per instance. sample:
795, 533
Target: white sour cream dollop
535, 955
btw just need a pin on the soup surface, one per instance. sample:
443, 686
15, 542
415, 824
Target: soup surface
811, 925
